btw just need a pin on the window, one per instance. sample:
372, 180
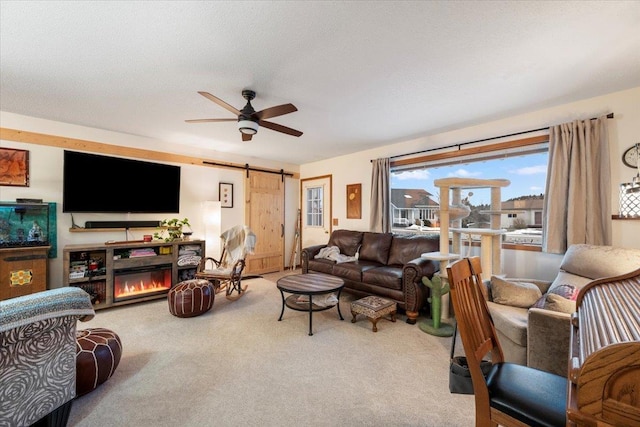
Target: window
314, 217
415, 198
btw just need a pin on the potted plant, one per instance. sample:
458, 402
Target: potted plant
171, 229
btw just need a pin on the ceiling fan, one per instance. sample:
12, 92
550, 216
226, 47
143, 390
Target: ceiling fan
249, 120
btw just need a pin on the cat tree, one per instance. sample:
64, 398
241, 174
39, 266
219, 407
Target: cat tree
451, 213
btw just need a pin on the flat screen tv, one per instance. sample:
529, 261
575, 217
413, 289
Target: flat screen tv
102, 184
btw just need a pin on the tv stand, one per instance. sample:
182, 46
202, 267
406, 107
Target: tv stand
93, 267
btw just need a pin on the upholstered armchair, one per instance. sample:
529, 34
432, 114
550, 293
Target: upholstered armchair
537, 333
38, 355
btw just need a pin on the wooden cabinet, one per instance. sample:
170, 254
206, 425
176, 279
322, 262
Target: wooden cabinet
95, 268
604, 364
23, 271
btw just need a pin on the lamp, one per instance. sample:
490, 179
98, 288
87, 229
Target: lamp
248, 127
212, 213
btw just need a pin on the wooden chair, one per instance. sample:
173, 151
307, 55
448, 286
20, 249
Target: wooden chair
510, 395
226, 273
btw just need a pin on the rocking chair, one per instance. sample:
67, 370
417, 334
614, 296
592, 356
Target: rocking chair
226, 273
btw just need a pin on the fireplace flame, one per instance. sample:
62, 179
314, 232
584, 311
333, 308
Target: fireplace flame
138, 284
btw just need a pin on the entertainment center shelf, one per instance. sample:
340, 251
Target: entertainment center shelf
126, 273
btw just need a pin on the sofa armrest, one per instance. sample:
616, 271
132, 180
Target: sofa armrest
415, 292
68, 301
307, 254
38, 341
548, 337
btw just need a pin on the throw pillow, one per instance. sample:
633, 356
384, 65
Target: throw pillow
557, 303
569, 292
515, 294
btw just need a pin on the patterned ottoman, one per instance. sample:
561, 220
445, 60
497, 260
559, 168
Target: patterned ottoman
374, 308
98, 352
191, 298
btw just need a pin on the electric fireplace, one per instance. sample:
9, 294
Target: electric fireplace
141, 282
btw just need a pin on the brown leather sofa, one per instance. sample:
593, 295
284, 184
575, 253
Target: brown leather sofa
387, 265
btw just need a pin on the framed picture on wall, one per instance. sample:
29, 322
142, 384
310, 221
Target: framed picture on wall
14, 167
226, 194
354, 201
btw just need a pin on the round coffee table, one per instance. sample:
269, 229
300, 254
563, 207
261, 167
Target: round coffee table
309, 284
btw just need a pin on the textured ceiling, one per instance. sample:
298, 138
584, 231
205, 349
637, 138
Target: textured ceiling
362, 74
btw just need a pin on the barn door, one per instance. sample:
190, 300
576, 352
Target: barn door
264, 213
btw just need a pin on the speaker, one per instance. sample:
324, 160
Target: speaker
121, 224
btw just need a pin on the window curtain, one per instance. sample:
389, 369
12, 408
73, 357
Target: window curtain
577, 203
380, 196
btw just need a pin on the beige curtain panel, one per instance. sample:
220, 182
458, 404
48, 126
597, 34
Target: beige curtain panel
380, 196
577, 203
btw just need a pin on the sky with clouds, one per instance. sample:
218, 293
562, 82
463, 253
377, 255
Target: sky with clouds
526, 173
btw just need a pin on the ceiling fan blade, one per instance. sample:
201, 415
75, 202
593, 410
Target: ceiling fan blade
220, 102
279, 128
276, 111
246, 137
210, 120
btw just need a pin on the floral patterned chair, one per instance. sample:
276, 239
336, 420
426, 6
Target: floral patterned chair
38, 355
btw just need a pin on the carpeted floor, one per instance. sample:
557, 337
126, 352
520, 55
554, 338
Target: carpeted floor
238, 366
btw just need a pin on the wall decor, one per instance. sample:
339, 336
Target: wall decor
226, 194
14, 167
354, 201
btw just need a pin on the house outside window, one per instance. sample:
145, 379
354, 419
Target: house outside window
415, 199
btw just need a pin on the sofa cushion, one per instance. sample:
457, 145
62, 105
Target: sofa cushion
511, 321
595, 261
516, 294
348, 241
375, 247
405, 248
353, 270
387, 277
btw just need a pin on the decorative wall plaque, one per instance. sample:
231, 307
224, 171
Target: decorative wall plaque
354, 201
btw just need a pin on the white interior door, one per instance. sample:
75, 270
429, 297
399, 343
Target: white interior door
315, 211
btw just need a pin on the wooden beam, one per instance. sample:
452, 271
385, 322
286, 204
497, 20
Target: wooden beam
116, 150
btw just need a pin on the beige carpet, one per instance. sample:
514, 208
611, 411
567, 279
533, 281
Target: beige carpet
238, 366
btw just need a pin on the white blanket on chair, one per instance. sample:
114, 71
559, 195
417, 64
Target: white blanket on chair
333, 253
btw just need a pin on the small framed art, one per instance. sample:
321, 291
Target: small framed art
226, 194
354, 201
14, 167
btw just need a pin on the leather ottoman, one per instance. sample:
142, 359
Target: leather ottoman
374, 308
191, 298
98, 352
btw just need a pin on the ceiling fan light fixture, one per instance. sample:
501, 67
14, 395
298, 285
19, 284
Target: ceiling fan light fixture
248, 127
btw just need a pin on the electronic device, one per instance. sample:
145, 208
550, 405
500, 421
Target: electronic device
121, 224
103, 184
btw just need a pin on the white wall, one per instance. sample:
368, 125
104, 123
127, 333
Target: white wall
624, 131
201, 183
198, 184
